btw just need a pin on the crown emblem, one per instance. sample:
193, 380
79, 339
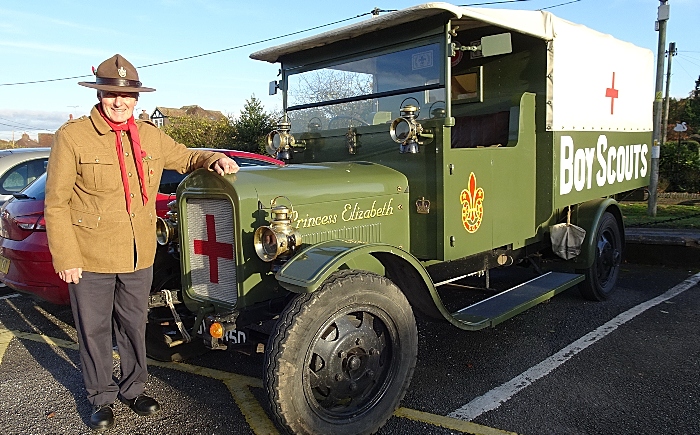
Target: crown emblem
121, 71
423, 206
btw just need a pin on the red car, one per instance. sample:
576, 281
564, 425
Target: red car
170, 179
25, 261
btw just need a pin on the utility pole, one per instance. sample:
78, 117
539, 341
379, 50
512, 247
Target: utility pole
664, 130
662, 17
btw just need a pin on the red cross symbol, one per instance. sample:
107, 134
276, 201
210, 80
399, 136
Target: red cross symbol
612, 93
213, 249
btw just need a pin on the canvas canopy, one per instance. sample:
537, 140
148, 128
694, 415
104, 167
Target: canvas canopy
594, 81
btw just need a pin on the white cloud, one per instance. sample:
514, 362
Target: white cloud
29, 121
9, 28
42, 21
55, 48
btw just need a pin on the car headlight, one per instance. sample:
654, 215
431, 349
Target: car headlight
279, 240
405, 129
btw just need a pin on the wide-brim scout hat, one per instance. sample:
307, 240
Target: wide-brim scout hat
117, 74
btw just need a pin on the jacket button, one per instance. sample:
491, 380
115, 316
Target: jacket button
129, 174
126, 154
132, 195
80, 221
133, 215
97, 160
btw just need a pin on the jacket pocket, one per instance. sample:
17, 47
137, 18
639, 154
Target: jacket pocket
153, 168
82, 218
100, 171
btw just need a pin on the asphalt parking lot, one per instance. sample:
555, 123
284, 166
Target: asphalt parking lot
625, 366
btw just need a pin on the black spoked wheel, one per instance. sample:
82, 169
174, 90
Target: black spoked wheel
161, 330
340, 359
601, 277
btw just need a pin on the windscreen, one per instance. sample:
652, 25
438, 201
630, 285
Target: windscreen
366, 91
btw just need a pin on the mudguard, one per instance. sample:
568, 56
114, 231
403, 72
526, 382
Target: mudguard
309, 269
306, 271
587, 216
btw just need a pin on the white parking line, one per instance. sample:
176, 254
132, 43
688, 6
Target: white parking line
501, 394
13, 295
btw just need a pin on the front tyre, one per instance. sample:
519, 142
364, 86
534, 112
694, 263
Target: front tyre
601, 277
340, 359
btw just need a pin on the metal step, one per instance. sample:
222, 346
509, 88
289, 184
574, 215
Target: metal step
503, 306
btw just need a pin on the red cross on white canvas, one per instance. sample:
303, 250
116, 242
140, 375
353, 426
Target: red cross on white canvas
612, 93
213, 249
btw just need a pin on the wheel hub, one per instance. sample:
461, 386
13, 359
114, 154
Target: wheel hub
608, 257
349, 363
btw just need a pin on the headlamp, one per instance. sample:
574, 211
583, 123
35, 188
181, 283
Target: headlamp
406, 129
279, 239
166, 229
281, 141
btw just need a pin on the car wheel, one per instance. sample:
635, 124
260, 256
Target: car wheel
601, 277
340, 359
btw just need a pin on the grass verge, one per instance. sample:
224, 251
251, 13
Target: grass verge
667, 216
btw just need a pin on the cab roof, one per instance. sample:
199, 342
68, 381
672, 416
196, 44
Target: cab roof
601, 83
539, 24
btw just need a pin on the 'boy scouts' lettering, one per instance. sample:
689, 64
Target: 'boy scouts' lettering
614, 164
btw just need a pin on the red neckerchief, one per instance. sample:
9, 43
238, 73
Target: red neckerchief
133, 130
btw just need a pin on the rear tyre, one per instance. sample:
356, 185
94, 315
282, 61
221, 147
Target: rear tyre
601, 277
339, 360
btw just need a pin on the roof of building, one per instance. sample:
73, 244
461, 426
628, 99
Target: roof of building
193, 110
26, 142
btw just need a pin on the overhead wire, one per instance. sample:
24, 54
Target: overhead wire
22, 128
495, 2
560, 4
374, 11
20, 125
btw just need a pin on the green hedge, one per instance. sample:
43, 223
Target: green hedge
679, 167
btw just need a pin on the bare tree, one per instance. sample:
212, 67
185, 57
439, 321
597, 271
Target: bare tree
329, 85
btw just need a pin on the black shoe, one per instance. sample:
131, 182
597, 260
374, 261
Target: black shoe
102, 417
143, 405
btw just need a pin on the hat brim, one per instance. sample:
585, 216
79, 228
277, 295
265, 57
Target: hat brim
112, 88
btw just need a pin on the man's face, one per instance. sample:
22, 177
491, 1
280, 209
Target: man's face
118, 106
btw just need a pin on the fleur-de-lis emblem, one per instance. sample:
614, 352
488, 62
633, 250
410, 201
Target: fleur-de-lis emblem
121, 71
472, 200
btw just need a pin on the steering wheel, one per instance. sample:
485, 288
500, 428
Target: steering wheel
352, 121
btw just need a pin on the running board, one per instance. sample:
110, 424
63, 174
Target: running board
503, 306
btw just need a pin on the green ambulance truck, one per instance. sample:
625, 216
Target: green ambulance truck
423, 146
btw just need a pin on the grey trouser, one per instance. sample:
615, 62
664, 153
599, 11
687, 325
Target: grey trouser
102, 302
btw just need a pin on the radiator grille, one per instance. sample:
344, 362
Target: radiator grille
212, 249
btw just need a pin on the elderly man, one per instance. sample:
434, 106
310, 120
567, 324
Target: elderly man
102, 178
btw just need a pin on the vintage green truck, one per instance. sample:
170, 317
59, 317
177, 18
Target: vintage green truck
423, 146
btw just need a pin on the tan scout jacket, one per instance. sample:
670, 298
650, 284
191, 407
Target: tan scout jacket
86, 219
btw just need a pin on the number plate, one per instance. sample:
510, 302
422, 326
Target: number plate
4, 264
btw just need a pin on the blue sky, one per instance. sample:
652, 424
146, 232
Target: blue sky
43, 40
